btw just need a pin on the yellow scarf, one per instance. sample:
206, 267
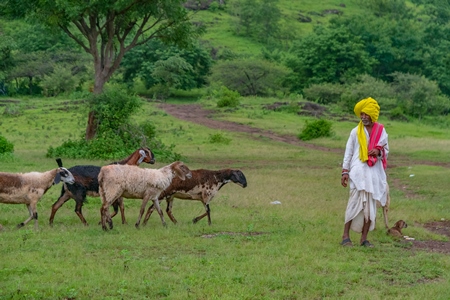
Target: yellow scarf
370, 107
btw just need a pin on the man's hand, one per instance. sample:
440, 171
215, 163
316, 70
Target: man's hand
374, 152
344, 180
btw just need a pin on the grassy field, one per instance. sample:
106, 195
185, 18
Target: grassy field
253, 249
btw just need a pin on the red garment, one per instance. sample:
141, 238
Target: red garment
377, 129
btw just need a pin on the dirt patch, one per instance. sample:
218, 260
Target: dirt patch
196, 114
438, 227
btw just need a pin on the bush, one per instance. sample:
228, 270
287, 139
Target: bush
419, 96
366, 86
227, 98
116, 136
218, 138
316, 129
5, 146
61, 80
324, 93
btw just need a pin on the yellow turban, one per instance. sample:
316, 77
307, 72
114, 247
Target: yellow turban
370, 107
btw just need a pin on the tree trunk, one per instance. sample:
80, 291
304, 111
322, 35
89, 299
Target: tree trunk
92, 124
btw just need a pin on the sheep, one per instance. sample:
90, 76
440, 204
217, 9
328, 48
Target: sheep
28, 188
136, 183
86, 184
202, 186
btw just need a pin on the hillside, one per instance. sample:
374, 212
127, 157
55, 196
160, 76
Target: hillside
297, 16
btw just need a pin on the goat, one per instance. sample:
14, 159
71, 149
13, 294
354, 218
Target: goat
28, 188
86, 184
136, 183
203, 186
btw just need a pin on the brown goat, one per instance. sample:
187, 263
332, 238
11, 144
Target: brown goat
203, 186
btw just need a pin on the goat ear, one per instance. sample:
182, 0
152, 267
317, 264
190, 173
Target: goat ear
57, 178
59, 162
141, 159
181, 170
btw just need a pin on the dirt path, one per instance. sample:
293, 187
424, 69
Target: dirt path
196, 114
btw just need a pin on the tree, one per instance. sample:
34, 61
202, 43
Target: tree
249, 76
107, 29
257, 18
140, 62
327, 55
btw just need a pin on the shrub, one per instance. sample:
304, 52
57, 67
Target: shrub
61, 80
218, 138
5, 146
316, 129
367, 86
227, 98
324, 93
116, 136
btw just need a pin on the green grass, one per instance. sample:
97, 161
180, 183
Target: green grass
285, 251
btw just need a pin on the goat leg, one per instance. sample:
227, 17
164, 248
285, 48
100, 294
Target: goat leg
78, 211
149, 213
141, 212
207, 213
57, 205
169, 210
158, 209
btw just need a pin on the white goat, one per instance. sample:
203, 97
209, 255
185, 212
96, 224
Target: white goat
28, 188
136, 183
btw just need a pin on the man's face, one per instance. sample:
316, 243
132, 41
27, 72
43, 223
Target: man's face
366, 120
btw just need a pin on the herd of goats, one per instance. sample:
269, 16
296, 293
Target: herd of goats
118, 180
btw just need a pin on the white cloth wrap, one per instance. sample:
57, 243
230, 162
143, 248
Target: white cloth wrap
367, 184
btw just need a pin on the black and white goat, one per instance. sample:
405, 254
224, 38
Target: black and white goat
202, 186
28, 188
136, 183
86, 184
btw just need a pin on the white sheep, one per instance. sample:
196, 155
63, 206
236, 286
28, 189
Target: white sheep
28, 188
136, 183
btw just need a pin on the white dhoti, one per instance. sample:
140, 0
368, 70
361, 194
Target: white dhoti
361, 206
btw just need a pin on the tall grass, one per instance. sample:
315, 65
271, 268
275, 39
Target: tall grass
253, 249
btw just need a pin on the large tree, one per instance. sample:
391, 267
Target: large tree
107, 29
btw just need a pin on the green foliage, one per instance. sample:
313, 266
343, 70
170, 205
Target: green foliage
155, 62
61, 80
113, 108
258, 19
250, 76
316, 129
331, 55
418, 96
393, 44
226, 97
367, 86
325, 93
116, 136
218, 138
5, 146
397, 114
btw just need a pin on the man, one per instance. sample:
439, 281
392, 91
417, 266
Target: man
364, 168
